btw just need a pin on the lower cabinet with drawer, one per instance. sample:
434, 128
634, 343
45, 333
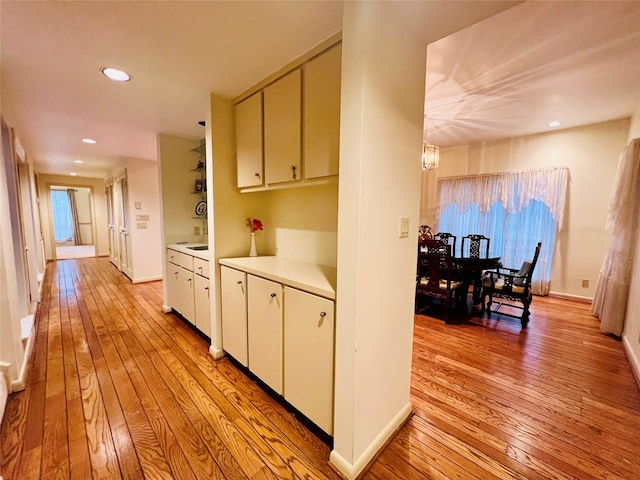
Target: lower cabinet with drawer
188, 289
284, 336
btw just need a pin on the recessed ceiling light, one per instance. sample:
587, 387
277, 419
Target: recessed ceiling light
89, 140
116, 75
78, 161
555, 123
73, 174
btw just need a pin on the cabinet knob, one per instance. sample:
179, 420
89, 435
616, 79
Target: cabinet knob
188, 279
323, 314
257, 174
293, 172
239, 282
273, 295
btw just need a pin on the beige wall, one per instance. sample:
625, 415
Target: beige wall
591, 154
99, 209
631, 334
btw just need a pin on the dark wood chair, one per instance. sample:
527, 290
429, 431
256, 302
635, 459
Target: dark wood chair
447, 238
475, 246
435, 275
510, 284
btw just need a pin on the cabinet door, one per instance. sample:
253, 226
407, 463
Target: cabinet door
282, 129
321, 135
308, 356
180, 290
233, 290
249, 141
265, 330
202, 305
173, 287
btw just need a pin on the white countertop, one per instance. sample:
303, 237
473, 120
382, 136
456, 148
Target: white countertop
182, 247
309, 277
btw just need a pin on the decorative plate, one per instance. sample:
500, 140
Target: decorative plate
201, 208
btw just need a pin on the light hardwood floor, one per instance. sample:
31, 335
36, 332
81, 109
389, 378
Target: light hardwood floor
117, 389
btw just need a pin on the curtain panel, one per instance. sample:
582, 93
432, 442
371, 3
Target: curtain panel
610, 300
514, 190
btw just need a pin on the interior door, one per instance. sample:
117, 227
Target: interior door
29, 236
124, 236
111, 218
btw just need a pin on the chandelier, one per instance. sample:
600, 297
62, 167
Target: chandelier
430, 156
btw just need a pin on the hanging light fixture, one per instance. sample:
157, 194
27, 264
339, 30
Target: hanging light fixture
430, 156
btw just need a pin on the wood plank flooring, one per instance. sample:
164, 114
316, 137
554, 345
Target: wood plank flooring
117, 389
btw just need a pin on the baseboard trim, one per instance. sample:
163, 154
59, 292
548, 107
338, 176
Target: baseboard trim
570, 296
216, 353
633, 360
21, 382
362, 463
147, 279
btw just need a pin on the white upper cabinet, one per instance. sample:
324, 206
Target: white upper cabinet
321, 123
249, 141
282, 120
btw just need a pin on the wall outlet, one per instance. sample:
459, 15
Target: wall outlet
585, 283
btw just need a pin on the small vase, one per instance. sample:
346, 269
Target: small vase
252, 249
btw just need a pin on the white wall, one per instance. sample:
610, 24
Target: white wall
99, 206
591, 154
383, 71
631, 334
146, 233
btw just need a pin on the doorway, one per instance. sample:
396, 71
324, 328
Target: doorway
72, 222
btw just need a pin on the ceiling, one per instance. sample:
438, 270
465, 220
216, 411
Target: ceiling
512, 74
577, 62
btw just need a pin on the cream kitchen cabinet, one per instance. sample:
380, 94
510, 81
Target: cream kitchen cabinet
321, 121
264, 330
309, 355
188, 286
202, 302
282, 120
292, 120
249, 141
180, 285
280, 313
233, 290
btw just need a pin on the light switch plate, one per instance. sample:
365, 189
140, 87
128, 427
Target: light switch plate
404, 227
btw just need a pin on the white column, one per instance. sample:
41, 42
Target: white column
383, 71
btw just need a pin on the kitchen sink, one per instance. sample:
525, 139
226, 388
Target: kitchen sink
199, 247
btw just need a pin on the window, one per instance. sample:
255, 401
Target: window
516, 210
62, 220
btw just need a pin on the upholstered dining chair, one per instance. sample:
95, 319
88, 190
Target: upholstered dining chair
435, 275
510, 284
475, 246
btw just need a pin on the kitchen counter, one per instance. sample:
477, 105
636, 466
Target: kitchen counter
183, 248
309, 277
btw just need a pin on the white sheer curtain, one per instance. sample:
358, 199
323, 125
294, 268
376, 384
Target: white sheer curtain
610, 301
516, 210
